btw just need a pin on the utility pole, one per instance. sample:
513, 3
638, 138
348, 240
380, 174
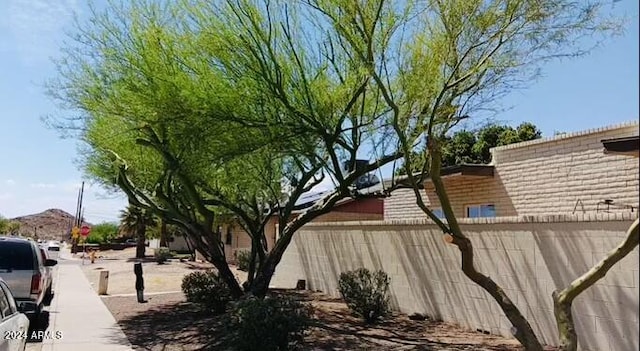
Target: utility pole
78, 220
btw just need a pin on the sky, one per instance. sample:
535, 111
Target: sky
39, 170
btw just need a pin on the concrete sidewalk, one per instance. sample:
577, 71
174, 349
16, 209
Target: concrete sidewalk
79, 316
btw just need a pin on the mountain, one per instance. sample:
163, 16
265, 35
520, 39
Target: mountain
52, 224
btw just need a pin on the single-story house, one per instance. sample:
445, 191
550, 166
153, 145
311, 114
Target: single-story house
575, 173
368, 207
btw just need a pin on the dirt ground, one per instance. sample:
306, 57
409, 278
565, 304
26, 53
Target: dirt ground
167, 322
158, 278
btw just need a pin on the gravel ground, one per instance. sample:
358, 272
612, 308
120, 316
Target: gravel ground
168, 323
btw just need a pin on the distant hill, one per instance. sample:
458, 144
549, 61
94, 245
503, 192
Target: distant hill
52, 224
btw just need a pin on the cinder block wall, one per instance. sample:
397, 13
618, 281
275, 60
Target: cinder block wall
529, 257
546, 176
553, 176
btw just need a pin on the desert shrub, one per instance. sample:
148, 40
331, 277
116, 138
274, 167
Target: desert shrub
162, 254
206, 289
366, 293
243, 259
269, 324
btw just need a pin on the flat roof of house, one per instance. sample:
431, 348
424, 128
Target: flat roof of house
464, 169
567, 136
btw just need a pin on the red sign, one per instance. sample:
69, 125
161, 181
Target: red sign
85, 230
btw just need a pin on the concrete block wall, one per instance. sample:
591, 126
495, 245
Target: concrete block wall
529, 256
554, 175
546, 176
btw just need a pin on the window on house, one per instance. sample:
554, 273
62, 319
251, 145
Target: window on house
478, 211
229, 237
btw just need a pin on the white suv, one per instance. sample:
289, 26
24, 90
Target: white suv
24, 270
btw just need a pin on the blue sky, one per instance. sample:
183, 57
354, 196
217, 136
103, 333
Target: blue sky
39, 170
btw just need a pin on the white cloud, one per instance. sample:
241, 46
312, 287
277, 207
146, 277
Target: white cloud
10, 182
36, 26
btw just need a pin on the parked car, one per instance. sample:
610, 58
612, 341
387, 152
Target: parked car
14, 326
54, 250
24, 270
48, 293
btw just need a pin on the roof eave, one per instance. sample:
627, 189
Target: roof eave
627, 145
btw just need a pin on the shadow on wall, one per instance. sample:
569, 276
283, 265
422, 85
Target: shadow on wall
324, 256
528, 260
606, 314
416, 265
425, 273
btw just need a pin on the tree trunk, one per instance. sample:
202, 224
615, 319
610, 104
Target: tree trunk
564, 321
252, 266
213, 254
140, 244
523, 331
261, 282
163, 233
192, 250
563, 300
227, 275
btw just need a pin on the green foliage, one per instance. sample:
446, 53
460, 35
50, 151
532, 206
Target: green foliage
270, 324
133, 219
243, 259
473, 147
103, 233
4, 225
8, 226
200, 107
208, 290
162, 254
366, 293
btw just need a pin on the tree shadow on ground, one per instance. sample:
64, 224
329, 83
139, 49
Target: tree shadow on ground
183, 326
167, 326
335, 328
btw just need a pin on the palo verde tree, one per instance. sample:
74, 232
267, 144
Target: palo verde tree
455, 58
205, 109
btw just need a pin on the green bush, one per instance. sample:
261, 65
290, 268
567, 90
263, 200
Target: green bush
208, 290
366, 293
162, 254
243, 259
269, 324
102, 233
